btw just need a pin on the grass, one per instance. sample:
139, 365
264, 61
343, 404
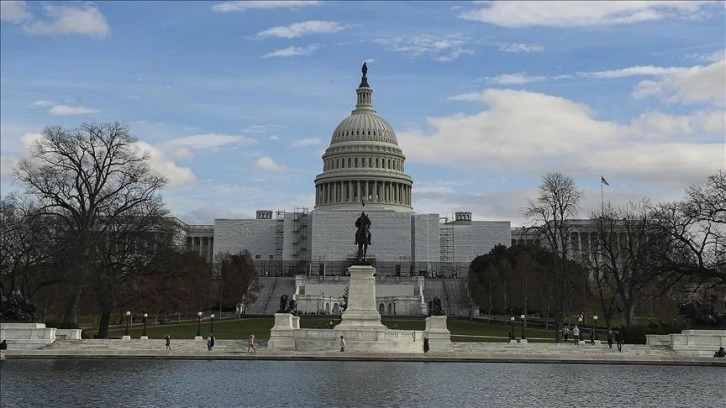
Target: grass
462, 330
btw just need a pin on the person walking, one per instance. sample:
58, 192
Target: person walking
210, 342
168, 341
426, 345
611, 338
566, 333
342, 344
576, 334
620, 338
251, 344
592, 336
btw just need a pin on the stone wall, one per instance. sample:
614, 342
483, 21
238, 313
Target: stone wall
479, 238
254, 235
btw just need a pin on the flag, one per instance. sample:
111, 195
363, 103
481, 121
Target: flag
602, 180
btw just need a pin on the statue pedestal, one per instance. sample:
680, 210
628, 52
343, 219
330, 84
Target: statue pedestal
438, 334
361, 311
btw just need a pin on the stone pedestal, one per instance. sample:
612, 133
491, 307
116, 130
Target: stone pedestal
361, 311
283, 333
522, 341
144, 337
126, 337
198, 338
437, 333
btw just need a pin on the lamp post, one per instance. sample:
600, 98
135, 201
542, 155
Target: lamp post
128, 318
523, 317
143, 335
199, 324
511, 333
594, 325
211, 324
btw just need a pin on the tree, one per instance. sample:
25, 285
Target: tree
240, 281
97, 184
557, 203
693, 233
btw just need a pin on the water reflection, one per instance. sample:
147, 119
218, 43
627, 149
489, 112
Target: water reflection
244, 383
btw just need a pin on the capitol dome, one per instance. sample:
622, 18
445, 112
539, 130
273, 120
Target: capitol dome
363, 164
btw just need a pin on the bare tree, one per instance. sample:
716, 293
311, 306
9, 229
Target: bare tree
694, 233
557, 203
97, 183
239, 276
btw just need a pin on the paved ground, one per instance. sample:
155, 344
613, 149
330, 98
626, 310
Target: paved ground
463, 352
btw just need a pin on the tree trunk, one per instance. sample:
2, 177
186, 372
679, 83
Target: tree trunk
70, 313
103, 323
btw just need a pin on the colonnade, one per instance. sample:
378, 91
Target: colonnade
203, 245
376, 191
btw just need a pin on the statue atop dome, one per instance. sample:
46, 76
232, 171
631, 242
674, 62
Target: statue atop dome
364, 78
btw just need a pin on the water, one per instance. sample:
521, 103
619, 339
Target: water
245, 383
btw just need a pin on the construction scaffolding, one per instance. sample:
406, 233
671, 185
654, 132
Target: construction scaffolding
300, 234
446, 243
279, 234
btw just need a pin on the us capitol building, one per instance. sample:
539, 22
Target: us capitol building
417, 256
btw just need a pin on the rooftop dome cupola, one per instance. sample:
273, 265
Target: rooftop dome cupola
365, 93
363, 163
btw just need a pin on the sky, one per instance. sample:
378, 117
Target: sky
237, 101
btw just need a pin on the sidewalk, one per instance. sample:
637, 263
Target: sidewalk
463, 352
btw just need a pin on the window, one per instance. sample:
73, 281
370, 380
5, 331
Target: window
258, 256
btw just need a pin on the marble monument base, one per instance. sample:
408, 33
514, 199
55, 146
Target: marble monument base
361, 311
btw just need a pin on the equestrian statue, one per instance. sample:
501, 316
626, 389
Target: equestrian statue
362, 235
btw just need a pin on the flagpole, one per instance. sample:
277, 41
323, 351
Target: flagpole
602, 199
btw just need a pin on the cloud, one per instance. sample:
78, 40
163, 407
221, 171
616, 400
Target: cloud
44, 103
67, 110
229, 6
515, 79
693, 85
85, 20
292, 52
519, 48
300, 29
535, 133
580, 13
266, 163
14, 11
306, 142
176, 176
184, 147
442, 48
639, 70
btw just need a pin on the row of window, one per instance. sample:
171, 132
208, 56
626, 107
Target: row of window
361, 133
372, 162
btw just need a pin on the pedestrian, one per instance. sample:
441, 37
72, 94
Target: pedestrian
566, 332
592, 336
210, 342
4, 345
251, 344
611, 338
426, 344
576, 334
342, 344
719, 353
620, 338
168, 341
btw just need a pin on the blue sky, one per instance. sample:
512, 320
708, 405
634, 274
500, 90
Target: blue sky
236, 101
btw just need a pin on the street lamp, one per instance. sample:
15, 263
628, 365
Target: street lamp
199, 324
211, 323
595, 325
128, 318
523, 317
145, 316
511, 333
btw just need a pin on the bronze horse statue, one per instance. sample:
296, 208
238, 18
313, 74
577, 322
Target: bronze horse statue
362, 237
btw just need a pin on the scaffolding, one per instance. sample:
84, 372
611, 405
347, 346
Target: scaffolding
446, 243
300, 234
279, 234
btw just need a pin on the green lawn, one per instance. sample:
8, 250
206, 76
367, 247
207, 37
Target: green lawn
461, 329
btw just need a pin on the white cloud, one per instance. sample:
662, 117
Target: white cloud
176, 176
535, 133
67, 110
210, 141
519, 48
300, 29
274, 137
647, 70
693, 85
266, 163
7, 165
292, 52
85, 20
44, 103
580, 13
229, 6
14, 11
306, 142
515, 79
442, 47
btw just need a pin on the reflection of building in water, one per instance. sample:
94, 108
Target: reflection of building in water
363, 170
